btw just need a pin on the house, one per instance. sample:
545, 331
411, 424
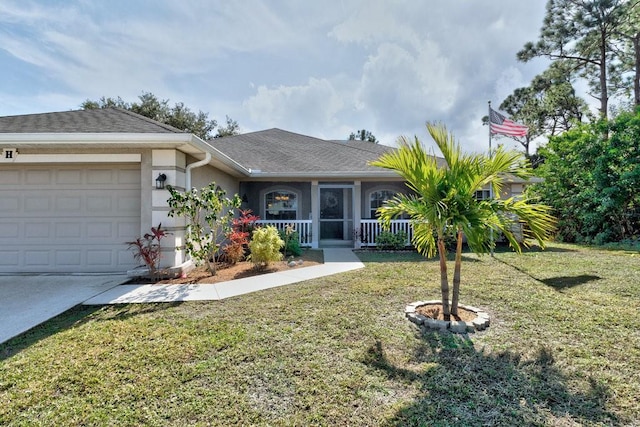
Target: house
76, 185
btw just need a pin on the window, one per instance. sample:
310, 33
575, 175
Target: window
281, 204
482, 195
377, 199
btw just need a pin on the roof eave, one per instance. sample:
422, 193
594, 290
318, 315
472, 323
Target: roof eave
321, 175
84, 138
219, 156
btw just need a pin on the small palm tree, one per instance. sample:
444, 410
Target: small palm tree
444, 202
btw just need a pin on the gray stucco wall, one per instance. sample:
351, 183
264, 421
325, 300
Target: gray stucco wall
203, 176
369, 187
255, 192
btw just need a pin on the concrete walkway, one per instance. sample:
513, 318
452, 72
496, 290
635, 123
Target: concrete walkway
336, 260
28, 300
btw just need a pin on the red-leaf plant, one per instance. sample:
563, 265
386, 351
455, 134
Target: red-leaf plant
245, 222
238, 237
148, 249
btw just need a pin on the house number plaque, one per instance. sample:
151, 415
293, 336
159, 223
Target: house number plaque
9, 154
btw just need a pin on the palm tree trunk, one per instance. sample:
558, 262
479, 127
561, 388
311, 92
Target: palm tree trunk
444, 282
456, 275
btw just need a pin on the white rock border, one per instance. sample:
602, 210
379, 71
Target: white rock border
460, 327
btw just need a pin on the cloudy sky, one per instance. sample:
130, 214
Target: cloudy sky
320, 68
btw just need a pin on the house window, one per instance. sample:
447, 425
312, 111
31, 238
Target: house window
482, 195
281, 204
377, 199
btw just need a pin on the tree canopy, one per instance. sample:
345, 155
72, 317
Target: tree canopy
444, 202
178, 116
593, 39
363, 135
591, 179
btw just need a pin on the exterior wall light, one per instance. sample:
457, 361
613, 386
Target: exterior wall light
160, 181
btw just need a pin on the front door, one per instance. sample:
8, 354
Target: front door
336, 215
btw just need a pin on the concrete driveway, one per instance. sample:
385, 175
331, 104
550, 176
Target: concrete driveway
28, 300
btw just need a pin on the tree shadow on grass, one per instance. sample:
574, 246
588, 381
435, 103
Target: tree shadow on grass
559, 282
408, 256
461, 386
502, 247
72, 318
563, 282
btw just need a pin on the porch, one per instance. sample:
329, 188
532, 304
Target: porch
364, 234
324, 214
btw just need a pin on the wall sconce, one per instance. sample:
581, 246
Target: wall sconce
160, 181
245, 199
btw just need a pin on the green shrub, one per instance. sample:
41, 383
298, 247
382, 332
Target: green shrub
265, 246
291, 243
389, 240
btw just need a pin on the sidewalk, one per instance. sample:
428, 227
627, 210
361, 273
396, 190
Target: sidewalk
336, 260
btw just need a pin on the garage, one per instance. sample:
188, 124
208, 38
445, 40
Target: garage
61, 218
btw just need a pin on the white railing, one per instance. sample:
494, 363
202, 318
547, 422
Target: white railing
303, 227
371, 228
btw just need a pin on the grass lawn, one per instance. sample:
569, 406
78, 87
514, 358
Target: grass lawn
563, 349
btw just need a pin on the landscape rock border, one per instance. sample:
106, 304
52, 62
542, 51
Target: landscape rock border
460, 327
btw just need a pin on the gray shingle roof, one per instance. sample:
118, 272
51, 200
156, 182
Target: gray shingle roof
278, 151
107, 120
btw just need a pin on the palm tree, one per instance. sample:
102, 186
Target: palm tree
444, 202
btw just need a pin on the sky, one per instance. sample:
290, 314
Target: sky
322, 68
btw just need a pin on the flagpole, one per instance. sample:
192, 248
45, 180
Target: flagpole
490, 186
490, 154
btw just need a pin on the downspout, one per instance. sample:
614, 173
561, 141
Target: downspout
207, 159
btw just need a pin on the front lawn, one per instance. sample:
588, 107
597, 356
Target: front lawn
563, 348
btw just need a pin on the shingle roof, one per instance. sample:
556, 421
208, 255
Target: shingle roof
278, 151
107, 120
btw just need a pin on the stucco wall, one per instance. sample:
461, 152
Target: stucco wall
369, 187
255, 192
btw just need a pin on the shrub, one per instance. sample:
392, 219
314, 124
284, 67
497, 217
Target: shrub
291, 241
234, 250
389, 240
147, 248
208, 214
245, 222
265, 246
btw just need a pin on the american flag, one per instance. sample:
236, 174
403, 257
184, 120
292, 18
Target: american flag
500, 124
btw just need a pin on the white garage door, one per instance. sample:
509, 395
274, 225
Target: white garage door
68, 218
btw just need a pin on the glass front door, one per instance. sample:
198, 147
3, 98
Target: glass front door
336, 213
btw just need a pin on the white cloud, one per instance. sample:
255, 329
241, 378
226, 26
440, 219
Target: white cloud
313, 106
402, 87
320, 68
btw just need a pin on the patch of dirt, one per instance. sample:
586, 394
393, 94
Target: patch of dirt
239, 270
434, 311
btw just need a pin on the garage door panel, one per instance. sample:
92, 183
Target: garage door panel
9, 177
66, 218
68, 230
68, 204
100, 257
69, 177
127, 231
37, 230
68, 258
37, 204
100, 176
102, 230
37, 258
38, 177
9, 204
9, 259
9, 230
99, 204
129, 177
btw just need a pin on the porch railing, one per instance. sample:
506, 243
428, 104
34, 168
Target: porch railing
303, 227
371, 228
